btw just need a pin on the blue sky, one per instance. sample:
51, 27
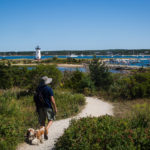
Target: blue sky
74, 24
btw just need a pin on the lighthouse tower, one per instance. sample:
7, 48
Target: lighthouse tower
38, 53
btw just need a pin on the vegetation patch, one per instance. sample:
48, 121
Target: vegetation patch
68, 103
106, 133
18, 114
21, 76
131, 86
17, 109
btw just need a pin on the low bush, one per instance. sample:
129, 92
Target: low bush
23, 77
78, 82
131, 86
6, 80
104, 133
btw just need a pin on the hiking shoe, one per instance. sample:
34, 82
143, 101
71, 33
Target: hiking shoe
46, 134
45, 137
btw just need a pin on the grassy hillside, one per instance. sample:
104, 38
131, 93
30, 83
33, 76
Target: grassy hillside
18, 114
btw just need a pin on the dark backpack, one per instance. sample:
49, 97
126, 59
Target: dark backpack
38, 98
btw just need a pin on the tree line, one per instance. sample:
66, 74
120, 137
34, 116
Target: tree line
82, 52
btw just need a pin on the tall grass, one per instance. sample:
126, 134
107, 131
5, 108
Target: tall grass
68, 103
17, 114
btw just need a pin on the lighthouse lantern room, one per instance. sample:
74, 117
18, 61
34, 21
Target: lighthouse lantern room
38, 53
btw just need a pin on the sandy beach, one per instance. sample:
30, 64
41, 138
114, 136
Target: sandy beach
59, 65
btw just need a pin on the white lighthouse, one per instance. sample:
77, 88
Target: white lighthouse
38, 53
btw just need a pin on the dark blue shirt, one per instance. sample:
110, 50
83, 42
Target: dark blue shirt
47, 92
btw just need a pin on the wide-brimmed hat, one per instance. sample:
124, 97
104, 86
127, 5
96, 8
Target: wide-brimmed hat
45, 80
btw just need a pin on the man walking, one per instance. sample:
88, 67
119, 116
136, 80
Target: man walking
45, 103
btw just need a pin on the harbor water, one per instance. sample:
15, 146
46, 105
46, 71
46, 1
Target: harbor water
132, 60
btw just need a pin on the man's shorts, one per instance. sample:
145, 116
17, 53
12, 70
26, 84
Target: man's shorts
44, 113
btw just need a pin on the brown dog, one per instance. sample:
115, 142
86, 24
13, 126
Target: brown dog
35, 137
30, 135
39, 134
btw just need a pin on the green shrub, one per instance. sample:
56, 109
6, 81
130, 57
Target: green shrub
131, 86
23, 77
100, 74
104, 132
20, 76
6, 80
78, 82
87, 85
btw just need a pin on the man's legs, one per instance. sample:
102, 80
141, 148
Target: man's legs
46, 129
41, 117
49, 124
50, 117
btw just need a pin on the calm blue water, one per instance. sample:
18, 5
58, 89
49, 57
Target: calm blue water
78, 57
71, 69
141, 60
62, 69
84, 70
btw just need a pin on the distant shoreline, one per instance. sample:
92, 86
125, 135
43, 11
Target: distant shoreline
126, 67
71, 57
59, 65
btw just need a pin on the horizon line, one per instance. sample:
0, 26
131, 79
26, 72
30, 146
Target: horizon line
75, 50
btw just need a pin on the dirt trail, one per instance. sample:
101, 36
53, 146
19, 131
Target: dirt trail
94, 107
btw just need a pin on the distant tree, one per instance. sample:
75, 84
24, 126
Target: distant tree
100, 74
77, 81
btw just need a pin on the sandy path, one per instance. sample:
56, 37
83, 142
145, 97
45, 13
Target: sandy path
94, 107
